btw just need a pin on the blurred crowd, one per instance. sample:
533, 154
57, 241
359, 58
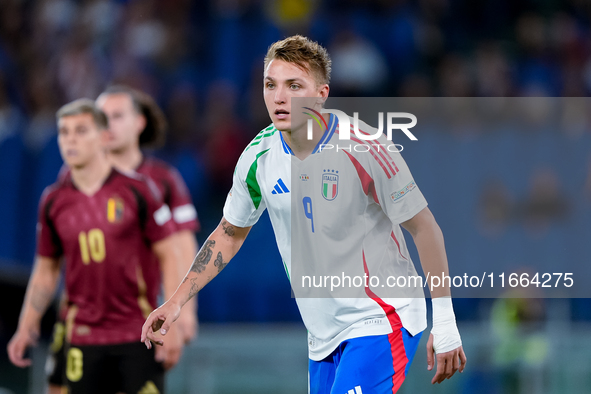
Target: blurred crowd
202, 61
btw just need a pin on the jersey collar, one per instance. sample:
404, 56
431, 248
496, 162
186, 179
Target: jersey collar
328, 133
68, 181
286, 147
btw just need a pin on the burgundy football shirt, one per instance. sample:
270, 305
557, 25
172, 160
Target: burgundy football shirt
112, 274
172, 187
174, 192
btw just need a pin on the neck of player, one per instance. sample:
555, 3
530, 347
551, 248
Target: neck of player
91, 177
297, 139
127, 160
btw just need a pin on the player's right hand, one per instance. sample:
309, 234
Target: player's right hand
18, 345
160, 321
188, 325
170, 353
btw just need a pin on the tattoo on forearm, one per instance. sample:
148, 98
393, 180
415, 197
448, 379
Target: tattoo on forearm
194, 288
40, 299
228, 228
203, 257
219, 262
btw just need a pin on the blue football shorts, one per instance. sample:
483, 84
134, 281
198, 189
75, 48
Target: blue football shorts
365, 365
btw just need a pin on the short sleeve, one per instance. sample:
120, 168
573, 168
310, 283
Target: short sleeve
397, 191
48, 241
179, 200
244, 203
158, 217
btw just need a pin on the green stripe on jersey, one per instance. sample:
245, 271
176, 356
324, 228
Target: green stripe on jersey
251, 181
269, 131
286, 271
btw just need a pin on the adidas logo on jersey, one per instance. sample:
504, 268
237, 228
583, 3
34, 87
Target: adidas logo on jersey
356, 391
280, 187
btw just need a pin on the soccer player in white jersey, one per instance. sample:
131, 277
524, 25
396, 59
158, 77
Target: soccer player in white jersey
356, 344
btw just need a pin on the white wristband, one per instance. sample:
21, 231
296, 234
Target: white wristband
445, 332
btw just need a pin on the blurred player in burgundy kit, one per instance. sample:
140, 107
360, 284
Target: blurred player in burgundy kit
114, 235
136, 122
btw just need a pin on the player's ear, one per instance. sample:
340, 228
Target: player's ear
141, 124
323, 94
104, 136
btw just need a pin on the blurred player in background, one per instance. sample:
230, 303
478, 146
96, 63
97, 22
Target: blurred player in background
356, 345
115, 236
136, 122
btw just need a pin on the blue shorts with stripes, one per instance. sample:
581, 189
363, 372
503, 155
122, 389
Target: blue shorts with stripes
365, 365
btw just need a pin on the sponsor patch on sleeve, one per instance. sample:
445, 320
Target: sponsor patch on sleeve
404, 191
162, 215
184, 213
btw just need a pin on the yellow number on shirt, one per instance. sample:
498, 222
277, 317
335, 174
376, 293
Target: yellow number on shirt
74, 365
92, 246
149, 388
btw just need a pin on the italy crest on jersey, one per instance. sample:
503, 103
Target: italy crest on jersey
114, 210
330, 184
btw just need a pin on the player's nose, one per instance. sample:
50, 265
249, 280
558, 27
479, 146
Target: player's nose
280, 96
69, 138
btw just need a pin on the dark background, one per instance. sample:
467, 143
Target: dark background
522, 195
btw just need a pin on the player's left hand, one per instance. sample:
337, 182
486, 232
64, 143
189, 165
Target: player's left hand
448, 363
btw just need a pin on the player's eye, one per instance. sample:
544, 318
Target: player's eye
269, 85
294, 86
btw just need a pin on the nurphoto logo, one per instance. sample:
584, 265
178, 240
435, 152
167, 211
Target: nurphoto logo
361, 135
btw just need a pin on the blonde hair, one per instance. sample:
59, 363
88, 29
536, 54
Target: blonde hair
303, 52
84, 106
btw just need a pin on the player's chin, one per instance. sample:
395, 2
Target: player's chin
73, 162
115, 144
282, 125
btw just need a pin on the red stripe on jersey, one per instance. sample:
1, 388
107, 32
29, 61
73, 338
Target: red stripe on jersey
399, 358
371, 150
372, 153
398, 245
381, 153
386, 151
390, 311
366, 180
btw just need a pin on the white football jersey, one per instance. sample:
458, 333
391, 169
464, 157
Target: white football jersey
335, 214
